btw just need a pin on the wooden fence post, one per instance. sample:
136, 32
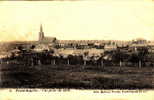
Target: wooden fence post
39, 62
120, 63
54, 61
68, 62
140, 64
102, 63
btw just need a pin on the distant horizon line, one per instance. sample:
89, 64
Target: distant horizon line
76, 40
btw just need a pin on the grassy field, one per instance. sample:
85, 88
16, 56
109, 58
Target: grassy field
69, 76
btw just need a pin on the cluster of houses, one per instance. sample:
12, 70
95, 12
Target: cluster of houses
84, 52
49, 49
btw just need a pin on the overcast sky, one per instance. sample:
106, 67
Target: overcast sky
77, 20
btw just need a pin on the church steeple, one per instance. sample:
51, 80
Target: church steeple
41, 28
41, 33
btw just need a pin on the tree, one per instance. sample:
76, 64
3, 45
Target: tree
20, 47
85, 56
32, 47
102, 59
142, 53
139, 56
119, 56
69, 57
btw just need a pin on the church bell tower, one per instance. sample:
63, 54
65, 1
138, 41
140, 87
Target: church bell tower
41, 33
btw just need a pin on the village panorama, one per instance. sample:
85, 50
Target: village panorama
80, 64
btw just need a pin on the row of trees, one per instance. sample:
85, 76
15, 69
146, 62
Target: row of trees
117, 57
139, 57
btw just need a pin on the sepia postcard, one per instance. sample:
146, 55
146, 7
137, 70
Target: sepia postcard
77, 49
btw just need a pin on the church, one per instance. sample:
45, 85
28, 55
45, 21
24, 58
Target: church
43, 38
